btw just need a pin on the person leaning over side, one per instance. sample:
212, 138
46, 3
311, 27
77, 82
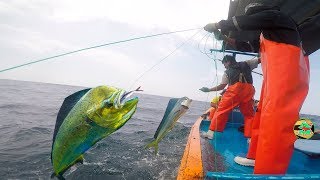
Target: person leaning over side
284, 89
214, 106
240, 92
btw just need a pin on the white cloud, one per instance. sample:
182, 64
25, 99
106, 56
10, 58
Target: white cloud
35, 29
113, 60
34, 42
5, 7
144, 13
20, 8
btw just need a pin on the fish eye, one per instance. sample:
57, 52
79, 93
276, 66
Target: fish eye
109, 104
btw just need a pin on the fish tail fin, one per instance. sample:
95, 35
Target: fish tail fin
59, 176
53, 175
154, 144
80, 159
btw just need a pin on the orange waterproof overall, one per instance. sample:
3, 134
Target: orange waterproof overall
238, 94
212, 111
284, 88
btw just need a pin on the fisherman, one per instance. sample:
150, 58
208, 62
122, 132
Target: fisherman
284, 88
240, 92
214, 106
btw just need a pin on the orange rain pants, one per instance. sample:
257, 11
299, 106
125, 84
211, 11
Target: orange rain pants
239, 94
284, 88
212, 111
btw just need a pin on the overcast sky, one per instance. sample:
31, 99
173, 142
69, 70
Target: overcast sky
36, 29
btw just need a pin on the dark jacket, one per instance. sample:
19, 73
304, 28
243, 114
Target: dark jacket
239, 72
273, 24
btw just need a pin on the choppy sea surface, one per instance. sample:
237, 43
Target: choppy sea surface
28, 113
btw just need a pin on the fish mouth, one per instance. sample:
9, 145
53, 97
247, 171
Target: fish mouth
186, 103
126, 106
122, 98
116, 110
119, 99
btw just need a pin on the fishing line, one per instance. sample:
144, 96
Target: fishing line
200, 42
205, 106
223, 52
206, 53
216, 92
215, 83
162, 59
214, 58
207, 36
232, 100
93, 47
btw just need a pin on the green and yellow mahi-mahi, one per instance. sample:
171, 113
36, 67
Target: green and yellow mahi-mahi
175, 109
86, 117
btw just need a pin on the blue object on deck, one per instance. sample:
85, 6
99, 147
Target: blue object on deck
218, 155
219, 175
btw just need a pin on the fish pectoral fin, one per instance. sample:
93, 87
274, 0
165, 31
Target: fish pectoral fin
93, 115
59, 176
92, 112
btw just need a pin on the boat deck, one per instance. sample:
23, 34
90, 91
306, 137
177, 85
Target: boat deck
218, 155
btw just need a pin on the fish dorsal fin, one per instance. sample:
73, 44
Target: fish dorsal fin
65, 108
172, 102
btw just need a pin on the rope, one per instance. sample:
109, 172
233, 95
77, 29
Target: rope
162, 59
206, 37
93, 47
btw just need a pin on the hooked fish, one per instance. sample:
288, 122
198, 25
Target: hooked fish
84, 118
175, 109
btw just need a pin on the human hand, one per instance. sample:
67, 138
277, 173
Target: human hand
205, 89
218, 35
204, 116
211, 27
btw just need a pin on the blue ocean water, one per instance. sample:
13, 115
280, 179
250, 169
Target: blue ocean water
28, 113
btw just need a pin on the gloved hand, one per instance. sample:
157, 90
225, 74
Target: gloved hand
205, 89
211, 27
218, 35
204, 116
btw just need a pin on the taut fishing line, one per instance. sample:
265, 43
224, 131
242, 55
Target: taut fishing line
93, 47
162, 59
